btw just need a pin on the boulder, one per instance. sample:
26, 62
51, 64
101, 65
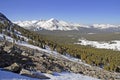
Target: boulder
25, 72
24, 53
118, 69
39, 76
49, 72
74, 69
33, 74
7, 49
16, 51
14, 68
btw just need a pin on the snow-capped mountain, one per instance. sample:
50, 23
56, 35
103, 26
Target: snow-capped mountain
54, 24
51, 24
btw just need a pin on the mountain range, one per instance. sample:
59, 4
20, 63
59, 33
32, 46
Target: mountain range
54, 24
51, 24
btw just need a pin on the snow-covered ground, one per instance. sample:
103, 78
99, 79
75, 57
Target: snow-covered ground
69, 76
114, 45
5, 75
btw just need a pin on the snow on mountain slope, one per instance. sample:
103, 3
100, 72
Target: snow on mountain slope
51, 24
69, 76
26, 23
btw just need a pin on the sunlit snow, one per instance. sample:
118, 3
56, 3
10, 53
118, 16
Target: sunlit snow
114, 45
5, 75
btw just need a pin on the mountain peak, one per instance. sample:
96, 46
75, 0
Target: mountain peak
53, 20
1, 14
3, 17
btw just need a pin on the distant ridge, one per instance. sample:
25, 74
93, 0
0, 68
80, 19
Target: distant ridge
54, 24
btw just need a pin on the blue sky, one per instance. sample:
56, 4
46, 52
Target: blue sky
79, 11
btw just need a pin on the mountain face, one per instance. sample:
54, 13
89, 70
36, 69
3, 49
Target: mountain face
9, 29
6, 26
14, 33
54, 24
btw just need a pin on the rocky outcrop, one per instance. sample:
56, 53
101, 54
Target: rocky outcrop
24, 72
33, 74
45, 63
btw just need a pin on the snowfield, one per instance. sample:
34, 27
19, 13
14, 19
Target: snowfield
5, 75
114, 45
69, 76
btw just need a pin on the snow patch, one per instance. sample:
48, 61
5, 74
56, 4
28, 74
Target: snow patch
7, 38
5, 75
114, 45
69, 76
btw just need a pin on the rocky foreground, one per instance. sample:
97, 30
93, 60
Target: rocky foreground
26, 61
